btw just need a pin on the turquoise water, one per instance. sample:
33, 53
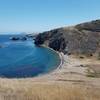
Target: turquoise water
24, 59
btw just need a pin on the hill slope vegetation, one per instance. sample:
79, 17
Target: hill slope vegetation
80, 39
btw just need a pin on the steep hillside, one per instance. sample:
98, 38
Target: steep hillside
80, 39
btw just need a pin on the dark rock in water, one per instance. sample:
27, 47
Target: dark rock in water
1, 46
14, 38
80, 39
18, 38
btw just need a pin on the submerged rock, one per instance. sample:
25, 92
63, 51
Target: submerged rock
2, 46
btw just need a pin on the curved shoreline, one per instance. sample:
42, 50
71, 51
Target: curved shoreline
57, 67
67, 72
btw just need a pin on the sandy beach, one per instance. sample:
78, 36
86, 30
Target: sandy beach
73, 70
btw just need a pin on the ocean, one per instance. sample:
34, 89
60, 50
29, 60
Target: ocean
22, 58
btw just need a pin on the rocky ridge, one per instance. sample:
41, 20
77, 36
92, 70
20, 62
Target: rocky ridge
82, 39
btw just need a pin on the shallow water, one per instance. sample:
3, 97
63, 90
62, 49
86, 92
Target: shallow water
24, 59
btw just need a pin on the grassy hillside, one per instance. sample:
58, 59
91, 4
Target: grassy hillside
22, 91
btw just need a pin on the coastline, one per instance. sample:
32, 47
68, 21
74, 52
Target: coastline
67, 81
69, 66
58, 67
71, 70
60, 55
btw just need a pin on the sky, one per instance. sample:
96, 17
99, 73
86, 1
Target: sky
43, 15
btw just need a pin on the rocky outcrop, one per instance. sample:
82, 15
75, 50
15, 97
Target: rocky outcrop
93, 26
18, 38
14, 38
80, 39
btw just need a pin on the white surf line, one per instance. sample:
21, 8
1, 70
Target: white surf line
60, 56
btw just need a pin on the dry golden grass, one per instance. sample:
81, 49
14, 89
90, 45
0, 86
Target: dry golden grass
93, 71
48, 92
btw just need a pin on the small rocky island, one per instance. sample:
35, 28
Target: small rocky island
18, 38
80, 39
